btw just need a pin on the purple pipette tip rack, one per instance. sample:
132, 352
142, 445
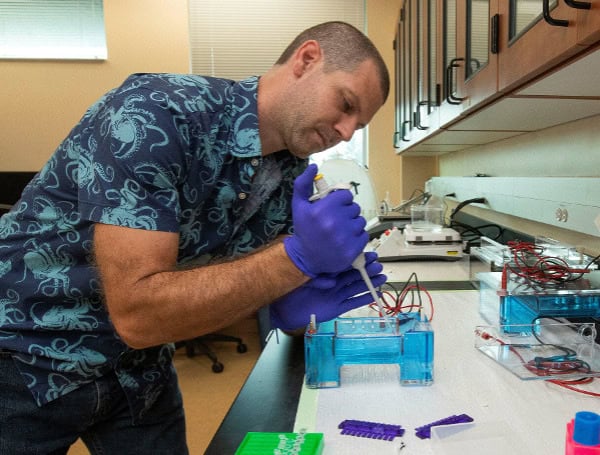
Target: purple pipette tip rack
424, 432
371, 430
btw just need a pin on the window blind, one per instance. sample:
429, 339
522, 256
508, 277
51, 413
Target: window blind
52, 29
236, 38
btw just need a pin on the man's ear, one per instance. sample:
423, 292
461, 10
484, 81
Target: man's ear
308, 55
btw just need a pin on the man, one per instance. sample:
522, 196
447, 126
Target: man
177, 205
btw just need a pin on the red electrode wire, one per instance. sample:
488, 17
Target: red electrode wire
528, 261
395, 305
547, 367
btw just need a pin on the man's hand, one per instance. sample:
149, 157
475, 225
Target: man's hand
329, 233
349, 291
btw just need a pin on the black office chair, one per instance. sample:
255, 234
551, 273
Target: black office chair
11, 186
200, 345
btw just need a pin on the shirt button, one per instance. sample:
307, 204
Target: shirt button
242, 196
254, 162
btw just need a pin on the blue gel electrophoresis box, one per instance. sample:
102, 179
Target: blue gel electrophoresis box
405, 340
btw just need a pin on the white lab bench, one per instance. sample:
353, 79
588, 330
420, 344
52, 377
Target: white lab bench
428, 271
512, 416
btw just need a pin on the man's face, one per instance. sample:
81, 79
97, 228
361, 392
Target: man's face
326, 108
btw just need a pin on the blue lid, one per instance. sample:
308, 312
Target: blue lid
586, 430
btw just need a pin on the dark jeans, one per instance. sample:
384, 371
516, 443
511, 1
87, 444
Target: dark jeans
97, 413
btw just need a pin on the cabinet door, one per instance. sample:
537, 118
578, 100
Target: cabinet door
535, 36
469, 56
477, 20
588, 21
425, 110
412, 14
398, 95
419, 89
404, 79
450, 69
434, 61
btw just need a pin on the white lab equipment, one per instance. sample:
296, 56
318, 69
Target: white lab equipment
347, 171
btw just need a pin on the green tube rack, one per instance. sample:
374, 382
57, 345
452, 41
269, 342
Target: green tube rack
264, 443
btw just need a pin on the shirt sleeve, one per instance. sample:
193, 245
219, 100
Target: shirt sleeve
131, 163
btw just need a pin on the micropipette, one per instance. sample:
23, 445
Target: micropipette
359, 264
323, 189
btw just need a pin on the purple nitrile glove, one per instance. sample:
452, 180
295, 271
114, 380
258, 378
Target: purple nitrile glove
329, 280
294, 309
329, 233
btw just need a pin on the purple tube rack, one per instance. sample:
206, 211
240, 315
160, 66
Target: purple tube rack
372, 430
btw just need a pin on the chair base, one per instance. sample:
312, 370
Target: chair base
200, 346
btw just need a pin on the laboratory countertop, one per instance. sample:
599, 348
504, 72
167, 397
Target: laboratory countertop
524, 416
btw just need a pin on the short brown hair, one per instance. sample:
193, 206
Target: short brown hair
344, 48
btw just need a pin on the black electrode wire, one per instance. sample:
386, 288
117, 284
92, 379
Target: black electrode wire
417, 288
412, 289
566, 363
396, 292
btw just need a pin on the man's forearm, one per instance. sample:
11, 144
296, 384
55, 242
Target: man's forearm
225, 292
171, 305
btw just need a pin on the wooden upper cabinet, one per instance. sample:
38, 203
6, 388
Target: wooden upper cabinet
536, 36
457, 57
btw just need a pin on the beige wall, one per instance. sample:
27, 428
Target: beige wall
392, 174
42, 100
385, 167
417, 170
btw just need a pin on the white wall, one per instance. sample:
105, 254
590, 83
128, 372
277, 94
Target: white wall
569, 150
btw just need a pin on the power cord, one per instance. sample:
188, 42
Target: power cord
477, 200
471, 234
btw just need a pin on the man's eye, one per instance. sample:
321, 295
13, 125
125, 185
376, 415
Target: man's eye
347, 106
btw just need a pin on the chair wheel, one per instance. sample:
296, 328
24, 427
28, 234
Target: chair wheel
189, 349
217, 367
241, 348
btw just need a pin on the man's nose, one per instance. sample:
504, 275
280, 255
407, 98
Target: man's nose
346, 127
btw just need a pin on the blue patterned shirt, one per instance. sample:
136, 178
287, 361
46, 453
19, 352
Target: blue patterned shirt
163, 152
